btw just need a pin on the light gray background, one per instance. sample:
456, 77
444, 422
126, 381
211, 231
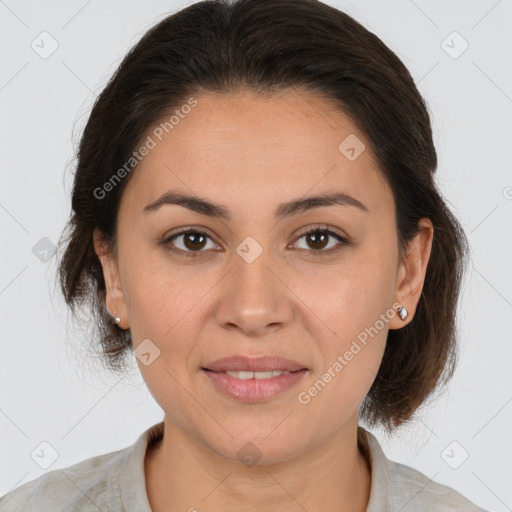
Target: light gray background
49, 389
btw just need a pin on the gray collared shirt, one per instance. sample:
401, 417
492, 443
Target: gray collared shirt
115, 482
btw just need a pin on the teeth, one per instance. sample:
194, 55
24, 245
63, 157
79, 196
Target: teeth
255, 375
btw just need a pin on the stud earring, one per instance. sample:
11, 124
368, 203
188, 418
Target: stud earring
116, 318
402, 312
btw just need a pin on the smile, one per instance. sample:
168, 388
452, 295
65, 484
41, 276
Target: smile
254, 387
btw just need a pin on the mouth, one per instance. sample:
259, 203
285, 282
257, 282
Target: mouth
253, 387
254, 379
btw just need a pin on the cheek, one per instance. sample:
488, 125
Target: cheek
355, 306
350, 361
351, 296
160, 297
163, 307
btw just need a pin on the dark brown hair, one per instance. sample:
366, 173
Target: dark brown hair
221, 46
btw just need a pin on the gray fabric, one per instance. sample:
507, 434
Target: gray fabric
115, 482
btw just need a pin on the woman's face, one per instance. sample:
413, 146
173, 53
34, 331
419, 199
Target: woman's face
251, 283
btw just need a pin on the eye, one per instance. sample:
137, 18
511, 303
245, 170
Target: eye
319, 237
192, 242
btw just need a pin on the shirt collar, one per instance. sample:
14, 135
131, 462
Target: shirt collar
380, 473
132, 479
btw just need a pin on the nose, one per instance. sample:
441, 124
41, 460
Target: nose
254, 298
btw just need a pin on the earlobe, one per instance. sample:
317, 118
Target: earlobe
114, 296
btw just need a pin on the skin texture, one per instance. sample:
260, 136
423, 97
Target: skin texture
251, 154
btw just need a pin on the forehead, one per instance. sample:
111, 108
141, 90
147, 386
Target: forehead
245, 147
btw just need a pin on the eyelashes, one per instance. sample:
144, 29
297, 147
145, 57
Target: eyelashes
342, 241
196, 236
169, 245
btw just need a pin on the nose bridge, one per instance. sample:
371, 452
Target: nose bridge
255, 298
252, 270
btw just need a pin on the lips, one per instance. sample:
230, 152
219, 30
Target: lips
254, 364
254, 389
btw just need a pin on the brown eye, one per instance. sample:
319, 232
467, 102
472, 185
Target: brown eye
318, 239
194, 241
189, 243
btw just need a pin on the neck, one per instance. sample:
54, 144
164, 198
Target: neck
182, 473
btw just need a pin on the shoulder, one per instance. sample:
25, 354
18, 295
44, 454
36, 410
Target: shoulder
84, 486
422, 493
397, 487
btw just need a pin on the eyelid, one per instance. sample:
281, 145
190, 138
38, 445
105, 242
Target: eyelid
323, 228
343, 240
167, 239
188, 229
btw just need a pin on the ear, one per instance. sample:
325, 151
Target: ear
411, 273
115, 301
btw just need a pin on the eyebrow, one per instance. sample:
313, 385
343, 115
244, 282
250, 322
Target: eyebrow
205, 207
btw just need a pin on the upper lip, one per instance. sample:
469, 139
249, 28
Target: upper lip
254, 364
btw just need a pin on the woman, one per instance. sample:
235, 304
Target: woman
255, 216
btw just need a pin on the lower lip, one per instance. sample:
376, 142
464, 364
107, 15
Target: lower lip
254, 390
